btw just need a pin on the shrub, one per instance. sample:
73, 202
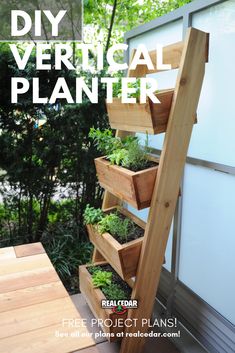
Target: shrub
66, 252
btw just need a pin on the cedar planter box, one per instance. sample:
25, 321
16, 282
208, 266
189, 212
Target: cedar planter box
136, 188
93, 297
123, 258
149, 117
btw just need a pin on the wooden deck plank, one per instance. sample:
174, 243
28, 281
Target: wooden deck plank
31, 278
7, 253
24, 264
33, 304
29, 249
34, 317
45, 341
31, 296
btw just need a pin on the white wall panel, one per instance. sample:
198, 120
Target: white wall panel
167, 34
207, 253
213, 136
143, 214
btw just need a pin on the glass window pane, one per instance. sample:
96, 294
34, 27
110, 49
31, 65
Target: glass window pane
143, 214
213, 136
167, 34
207, 260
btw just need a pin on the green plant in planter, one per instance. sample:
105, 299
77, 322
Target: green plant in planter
126, 152
105, 141
137, 157
119, 157
92, 215
116, 226
94, 269
102, 278
114, 292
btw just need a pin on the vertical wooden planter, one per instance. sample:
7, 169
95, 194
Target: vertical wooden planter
123, 258
136, 188
149, 117
93, 297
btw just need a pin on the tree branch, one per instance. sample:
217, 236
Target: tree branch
111, 25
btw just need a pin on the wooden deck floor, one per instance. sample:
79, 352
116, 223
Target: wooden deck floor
33, 304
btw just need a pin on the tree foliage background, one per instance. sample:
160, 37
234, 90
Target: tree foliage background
49, 173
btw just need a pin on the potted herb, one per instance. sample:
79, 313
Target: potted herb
118, 236
101, 282
148, 117
127, 170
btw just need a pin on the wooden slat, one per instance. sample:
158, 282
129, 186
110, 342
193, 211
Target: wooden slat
44, 340
97, 256
24, 264
171, 55
172, 161
34, 317
7, 253
20, 280
31, 295
29, 249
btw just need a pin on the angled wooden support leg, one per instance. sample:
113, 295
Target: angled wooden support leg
97, 257
172, 161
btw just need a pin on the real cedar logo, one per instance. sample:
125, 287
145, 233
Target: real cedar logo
119, 307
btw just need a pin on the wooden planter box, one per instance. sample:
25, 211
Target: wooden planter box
149, 117
136, 188
123, 258
93, 297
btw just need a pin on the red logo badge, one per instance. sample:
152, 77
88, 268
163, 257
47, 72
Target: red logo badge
119, 309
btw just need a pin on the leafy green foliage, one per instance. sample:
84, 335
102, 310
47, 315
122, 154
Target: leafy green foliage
137, 157
92, 215
119, 157
94, 269
126, 152
53, 162
129, 14
101, 279
106, 281
114, 292
116, 226
104, 141
104, 224
66, 252
39, 162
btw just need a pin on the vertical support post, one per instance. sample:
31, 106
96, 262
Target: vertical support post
172, 161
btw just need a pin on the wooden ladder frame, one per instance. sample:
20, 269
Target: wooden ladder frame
194, 54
